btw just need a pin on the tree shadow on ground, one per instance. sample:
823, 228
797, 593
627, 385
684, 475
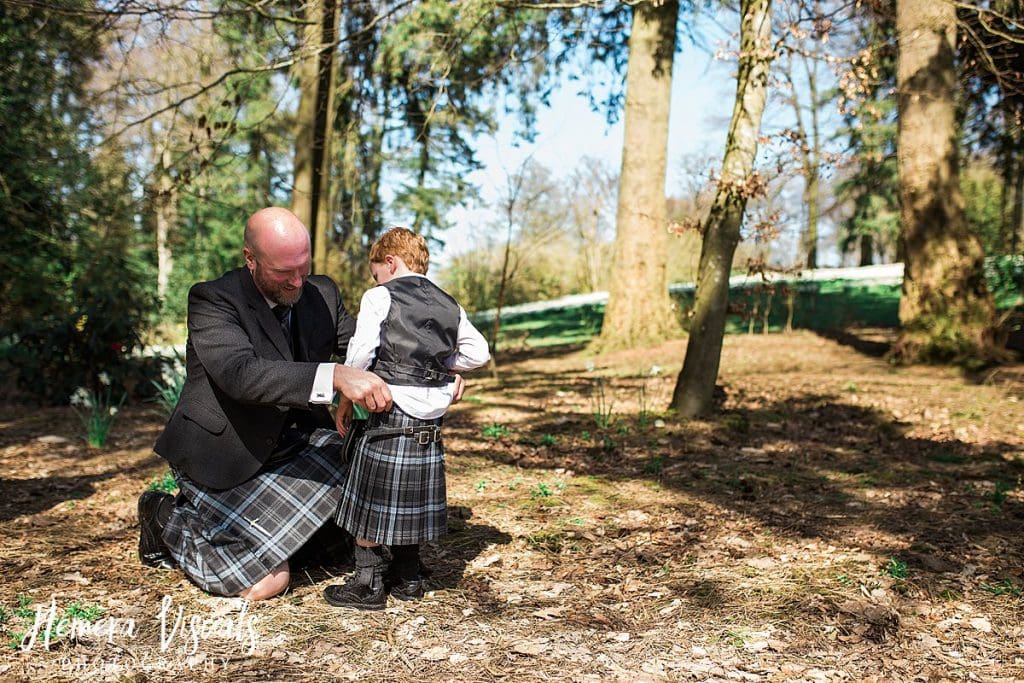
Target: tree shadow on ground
26, 497
445, 559
872, 342
809, 468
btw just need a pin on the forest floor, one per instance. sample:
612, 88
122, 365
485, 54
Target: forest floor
839, 520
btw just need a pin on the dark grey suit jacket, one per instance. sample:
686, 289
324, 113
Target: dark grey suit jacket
242, 378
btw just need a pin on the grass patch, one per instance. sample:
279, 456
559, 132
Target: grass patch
1004, 587
495, 430
165, 483
896, 568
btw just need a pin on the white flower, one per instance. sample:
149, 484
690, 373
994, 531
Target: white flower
113, 410
655, 370
590, 366
80, 397
104, 379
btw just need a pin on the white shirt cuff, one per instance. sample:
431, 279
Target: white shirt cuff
323, 385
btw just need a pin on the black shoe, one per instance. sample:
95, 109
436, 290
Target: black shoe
408, 589
152, 549
391, 577
356, 595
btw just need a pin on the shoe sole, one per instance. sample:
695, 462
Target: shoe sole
334, 602
406, 598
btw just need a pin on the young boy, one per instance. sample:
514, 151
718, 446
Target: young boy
413, 335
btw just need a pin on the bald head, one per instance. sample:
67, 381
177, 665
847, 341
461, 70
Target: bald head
277, 252
274, 228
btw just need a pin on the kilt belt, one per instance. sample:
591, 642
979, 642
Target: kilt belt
424, 435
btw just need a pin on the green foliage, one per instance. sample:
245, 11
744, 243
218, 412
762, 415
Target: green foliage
172, 381
601, 407
24, 608
79, 610
74, 290
97, 410
1000, 492
983, 188
870, 117
644, 414
166, 483
1004, 587
896, 568
495, 430
655, 466
1005, 278
541, 490
548, 440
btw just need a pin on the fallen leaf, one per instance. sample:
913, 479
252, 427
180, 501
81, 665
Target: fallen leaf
981, 624
549, 613
76, 577
435, 654
525, 647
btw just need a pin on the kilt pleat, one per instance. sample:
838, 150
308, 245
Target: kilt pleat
395, 493
227, 540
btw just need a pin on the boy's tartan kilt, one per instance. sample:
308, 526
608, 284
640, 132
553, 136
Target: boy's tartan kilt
395, 493
226, 541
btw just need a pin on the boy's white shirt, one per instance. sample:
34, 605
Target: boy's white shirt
424, 403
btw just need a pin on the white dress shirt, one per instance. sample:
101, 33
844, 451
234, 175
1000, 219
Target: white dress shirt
424, 403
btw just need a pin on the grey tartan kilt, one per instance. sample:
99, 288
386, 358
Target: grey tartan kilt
395, 493
226, 541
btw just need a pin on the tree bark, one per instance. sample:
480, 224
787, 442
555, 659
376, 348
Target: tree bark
313, 126
639, 310
810, 154
165, 205
1017, 198
867, 249
694, 390
946, 311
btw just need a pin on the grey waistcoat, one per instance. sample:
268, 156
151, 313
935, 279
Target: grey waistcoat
419, 334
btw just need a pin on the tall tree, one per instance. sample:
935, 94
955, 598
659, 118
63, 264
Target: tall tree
639, 310
694, 390
946, 311
316, 73
869, 111
800, 70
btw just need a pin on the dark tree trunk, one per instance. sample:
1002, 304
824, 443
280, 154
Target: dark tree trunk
946, 310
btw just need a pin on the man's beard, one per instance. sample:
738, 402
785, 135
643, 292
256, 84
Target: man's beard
279, 294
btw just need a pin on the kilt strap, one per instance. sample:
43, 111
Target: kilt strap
424, 435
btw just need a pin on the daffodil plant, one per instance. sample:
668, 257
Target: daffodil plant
97, 410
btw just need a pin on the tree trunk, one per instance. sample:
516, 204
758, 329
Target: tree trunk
165, 205
867, 249
695, 386
813, 169
324, 243
639, 310
313, 124
1017, 199
946, 311
810, 154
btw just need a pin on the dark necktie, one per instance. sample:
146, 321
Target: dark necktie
282, 313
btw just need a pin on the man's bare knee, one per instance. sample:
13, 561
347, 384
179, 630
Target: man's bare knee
274, 583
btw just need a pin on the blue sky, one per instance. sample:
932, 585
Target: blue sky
702, 100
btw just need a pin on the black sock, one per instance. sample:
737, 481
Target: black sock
406, 561
370, 566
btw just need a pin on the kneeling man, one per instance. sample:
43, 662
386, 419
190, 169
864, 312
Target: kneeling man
251, 443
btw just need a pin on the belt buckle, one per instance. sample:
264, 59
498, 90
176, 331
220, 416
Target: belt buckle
424, 437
